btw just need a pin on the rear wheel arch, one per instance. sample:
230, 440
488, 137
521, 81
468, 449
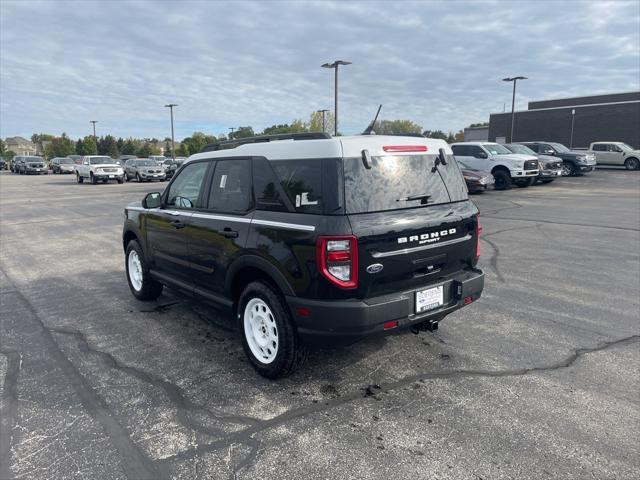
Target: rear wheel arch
250, 268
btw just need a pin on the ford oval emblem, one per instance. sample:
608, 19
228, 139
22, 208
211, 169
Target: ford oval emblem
375, 268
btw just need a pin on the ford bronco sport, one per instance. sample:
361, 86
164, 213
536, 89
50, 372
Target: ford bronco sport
310, 238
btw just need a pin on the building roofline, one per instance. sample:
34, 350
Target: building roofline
583, 96
567, 106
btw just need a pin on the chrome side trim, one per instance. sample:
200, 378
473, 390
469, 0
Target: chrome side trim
221, 217
404, 251
290, 226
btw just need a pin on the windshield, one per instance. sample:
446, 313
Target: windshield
395, 182
496, 149
515, 148
558, 147
101, 160
34, 159
146, 163
624, 147
66, 161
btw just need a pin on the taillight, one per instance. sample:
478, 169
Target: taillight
478, 232
405, 148
337, 259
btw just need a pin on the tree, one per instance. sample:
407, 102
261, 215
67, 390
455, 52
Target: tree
2, 147
41, 137
435, 134
8, 155
297, 126
315, 122
396, 127
483, 124
242, 132
128, 147
459, 137
144, 151
182, 151
195, 143
108, 146
89, 146
60, 147
79, 147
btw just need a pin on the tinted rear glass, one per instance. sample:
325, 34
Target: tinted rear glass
391, 179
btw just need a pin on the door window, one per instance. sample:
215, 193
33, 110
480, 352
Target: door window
477, 152
231, 187
600, 147
185, 189
460, 150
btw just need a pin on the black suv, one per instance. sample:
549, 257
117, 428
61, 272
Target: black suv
309, 238
573, 162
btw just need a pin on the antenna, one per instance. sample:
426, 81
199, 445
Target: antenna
369, 129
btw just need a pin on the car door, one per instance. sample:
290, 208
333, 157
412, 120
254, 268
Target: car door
129, 168
218, 232
167, 226
615, 155
463, 152
480, 158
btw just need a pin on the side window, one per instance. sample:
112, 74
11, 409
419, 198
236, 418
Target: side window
613, 148
476, 151
185, 189
301, 180
266, 187
600, 147
460, 150
544, 148
231, 187
534, 146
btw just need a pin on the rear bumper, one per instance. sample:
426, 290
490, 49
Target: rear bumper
550, 173
346, 321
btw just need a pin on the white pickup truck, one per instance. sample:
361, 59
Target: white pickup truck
98, 168
616, 153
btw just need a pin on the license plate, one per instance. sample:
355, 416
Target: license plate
111, 176
429, 299
37, 169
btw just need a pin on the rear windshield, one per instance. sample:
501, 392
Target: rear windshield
101, 160
394, 182
65, 161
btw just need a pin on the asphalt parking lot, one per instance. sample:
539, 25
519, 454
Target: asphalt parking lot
538, 379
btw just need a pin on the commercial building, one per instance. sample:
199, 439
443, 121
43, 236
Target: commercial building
574, 122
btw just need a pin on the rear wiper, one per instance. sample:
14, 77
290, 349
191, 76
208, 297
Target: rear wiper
440, 160
424, 197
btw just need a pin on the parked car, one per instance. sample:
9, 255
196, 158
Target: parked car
62, 165
144, 170
98, 168
157, 158
170, 166
3, 163
506, 167
15, 163
550, 167
477, 180
32, 165
317, 240
573, 162
77, 159
615, 153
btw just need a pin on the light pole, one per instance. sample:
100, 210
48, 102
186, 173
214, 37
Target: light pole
323, 111
173, 144
231, 134
95, 139
513, 101
335, 66
573, 117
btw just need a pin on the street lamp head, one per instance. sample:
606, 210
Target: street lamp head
171, 105
335, 64
514, 78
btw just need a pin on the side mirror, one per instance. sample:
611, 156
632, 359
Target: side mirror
85, 163
481, 155
152, 200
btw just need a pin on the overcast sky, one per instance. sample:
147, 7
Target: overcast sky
228, 64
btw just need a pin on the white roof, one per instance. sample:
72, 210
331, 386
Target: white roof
335, 147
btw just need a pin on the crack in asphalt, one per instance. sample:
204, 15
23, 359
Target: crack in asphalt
9, 408
249, 433
135, 463
493, 261
570, 224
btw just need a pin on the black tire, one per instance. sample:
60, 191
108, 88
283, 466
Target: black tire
290, 351
139, 180
121, 181
79, 178
502, 180
94, 180
568, 169
632, 164
150, 289
547, 180
525, 182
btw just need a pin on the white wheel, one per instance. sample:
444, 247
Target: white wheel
135, 270
260, 330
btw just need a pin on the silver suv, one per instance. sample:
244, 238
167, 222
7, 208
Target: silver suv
144, 170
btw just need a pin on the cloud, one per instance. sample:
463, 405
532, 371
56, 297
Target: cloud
258, 63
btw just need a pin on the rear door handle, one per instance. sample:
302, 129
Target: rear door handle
228, 233
177, 224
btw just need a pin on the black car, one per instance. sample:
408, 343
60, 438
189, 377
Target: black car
3, 164
320, 239
477, 180
573, 162
32, 166
170, 165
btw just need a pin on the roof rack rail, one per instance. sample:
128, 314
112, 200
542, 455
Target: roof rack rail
227, 144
